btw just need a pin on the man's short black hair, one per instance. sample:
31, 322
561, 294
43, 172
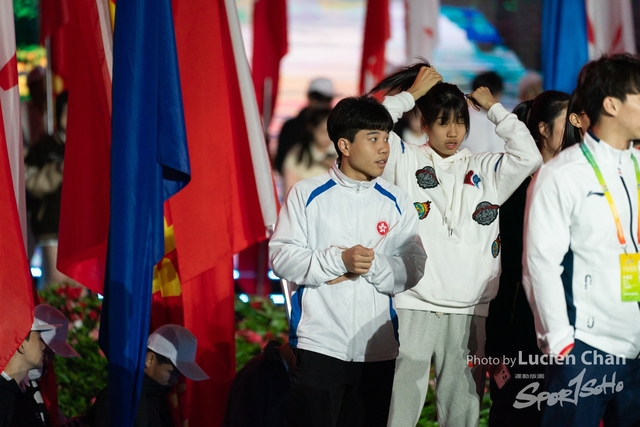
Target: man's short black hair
616, 76
490, 80
356, 113
161, 359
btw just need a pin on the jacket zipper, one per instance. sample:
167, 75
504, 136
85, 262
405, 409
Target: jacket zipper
633, 240
355, 287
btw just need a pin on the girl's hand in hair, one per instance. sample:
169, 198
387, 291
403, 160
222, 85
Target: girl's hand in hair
481, 98
426, 79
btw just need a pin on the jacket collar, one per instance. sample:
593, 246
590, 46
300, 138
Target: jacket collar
603, 152
340, 178
436, 158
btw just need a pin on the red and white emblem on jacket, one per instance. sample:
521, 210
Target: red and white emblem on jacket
382, 228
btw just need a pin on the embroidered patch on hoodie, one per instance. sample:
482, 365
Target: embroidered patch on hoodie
423, 208
485, 213
495, 247
427, 177
472, 178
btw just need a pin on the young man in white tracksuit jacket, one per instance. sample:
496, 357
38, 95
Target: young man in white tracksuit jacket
573, 255
458, 196
350, 241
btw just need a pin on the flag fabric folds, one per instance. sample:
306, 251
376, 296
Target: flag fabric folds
226, 207
149, 163
576, 31
54, 14
269, 47
84, 212
376, 33
421, 18
610, 27
15, 279
564, 43
231, 197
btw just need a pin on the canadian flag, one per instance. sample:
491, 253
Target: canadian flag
610, 27
421, 20
15, 278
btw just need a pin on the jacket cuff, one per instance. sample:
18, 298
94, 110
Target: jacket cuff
497, 113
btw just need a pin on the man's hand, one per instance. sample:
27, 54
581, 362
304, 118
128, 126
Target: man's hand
358, 259
481, 97
426, 79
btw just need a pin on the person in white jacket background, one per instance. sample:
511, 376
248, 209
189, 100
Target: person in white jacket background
350, 241
457, 195
581, 259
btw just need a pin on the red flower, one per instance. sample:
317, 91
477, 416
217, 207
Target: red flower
74, 293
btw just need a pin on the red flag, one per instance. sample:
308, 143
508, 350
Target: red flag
84, 213
54, 14
15, 278
269, 47
376, 33
231, 195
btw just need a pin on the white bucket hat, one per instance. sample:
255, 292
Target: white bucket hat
55, 339
177, 344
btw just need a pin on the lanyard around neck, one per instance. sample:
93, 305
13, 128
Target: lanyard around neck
607, 194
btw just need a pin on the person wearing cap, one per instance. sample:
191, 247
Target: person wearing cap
319, 95
17, 406
56, 343
171, 351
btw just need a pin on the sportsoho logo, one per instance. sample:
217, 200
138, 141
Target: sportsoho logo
578, 387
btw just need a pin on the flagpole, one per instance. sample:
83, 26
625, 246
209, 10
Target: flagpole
266, 104
49, 86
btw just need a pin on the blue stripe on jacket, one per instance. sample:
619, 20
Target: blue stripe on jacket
387, 194
296, 313
318, 191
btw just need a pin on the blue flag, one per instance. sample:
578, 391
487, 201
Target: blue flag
564, 43
149, 163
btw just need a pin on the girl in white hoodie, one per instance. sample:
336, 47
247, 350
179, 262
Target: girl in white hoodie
457, 195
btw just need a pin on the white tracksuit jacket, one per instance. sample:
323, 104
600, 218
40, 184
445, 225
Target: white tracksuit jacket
458, 200
567, 214
351, 320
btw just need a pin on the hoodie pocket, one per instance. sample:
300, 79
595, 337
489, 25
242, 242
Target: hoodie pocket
462, 275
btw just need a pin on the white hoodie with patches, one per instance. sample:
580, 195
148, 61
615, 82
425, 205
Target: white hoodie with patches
458, 201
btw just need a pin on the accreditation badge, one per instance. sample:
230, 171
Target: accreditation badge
630, 285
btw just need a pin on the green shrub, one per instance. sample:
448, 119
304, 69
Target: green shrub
258, 322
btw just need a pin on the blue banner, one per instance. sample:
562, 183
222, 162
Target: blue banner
564, 43
149, 163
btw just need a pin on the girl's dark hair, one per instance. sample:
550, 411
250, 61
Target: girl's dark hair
401, 80
443, 98
572, 134
544, 108
313, 119
353, 114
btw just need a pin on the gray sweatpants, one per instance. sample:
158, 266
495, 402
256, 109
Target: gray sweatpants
447, 340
